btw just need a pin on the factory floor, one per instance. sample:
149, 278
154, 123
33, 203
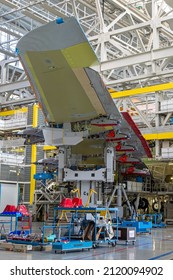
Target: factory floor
155, 246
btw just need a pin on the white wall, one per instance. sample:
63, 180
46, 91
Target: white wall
8, 195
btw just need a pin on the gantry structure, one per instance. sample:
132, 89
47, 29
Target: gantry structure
133, 41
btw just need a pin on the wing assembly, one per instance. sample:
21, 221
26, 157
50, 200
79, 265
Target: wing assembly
78, 108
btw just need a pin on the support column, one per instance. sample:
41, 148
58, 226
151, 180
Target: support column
110, 164
33, 155
119, 196
61, 163
157, 124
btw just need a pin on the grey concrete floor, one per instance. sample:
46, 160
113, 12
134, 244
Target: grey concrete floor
157, 245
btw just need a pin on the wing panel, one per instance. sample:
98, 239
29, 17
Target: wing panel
75, 55
103, 94
59, 90
53, 36
136, 138
54, 57
89, 147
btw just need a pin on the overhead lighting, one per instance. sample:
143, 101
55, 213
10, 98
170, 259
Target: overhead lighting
13, 171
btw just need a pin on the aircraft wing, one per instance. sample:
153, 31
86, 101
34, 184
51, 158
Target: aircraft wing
58, 60
136, 139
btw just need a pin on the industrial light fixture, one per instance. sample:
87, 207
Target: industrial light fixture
13, 171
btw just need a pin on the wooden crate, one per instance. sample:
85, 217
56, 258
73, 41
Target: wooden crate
15, 247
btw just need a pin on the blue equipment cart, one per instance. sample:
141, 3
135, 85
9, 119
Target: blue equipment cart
71, 245
141, 226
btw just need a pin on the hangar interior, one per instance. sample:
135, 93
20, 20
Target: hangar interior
117, 183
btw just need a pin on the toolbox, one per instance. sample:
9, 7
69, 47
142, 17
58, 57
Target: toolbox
128, 234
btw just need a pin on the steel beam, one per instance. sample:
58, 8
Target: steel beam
147, 56
12, 33
12, 112
14, 86
19, 102
159, 136
160, 74
139, 91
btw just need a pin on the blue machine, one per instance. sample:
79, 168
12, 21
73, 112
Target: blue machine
43, 176
157, 220
141, 226
71, 245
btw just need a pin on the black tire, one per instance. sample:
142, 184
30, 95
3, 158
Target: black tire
144, 203
155, 206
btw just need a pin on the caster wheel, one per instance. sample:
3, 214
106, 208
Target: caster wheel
113, 244
94, 246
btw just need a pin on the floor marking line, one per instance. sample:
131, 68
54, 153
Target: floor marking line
162, 255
